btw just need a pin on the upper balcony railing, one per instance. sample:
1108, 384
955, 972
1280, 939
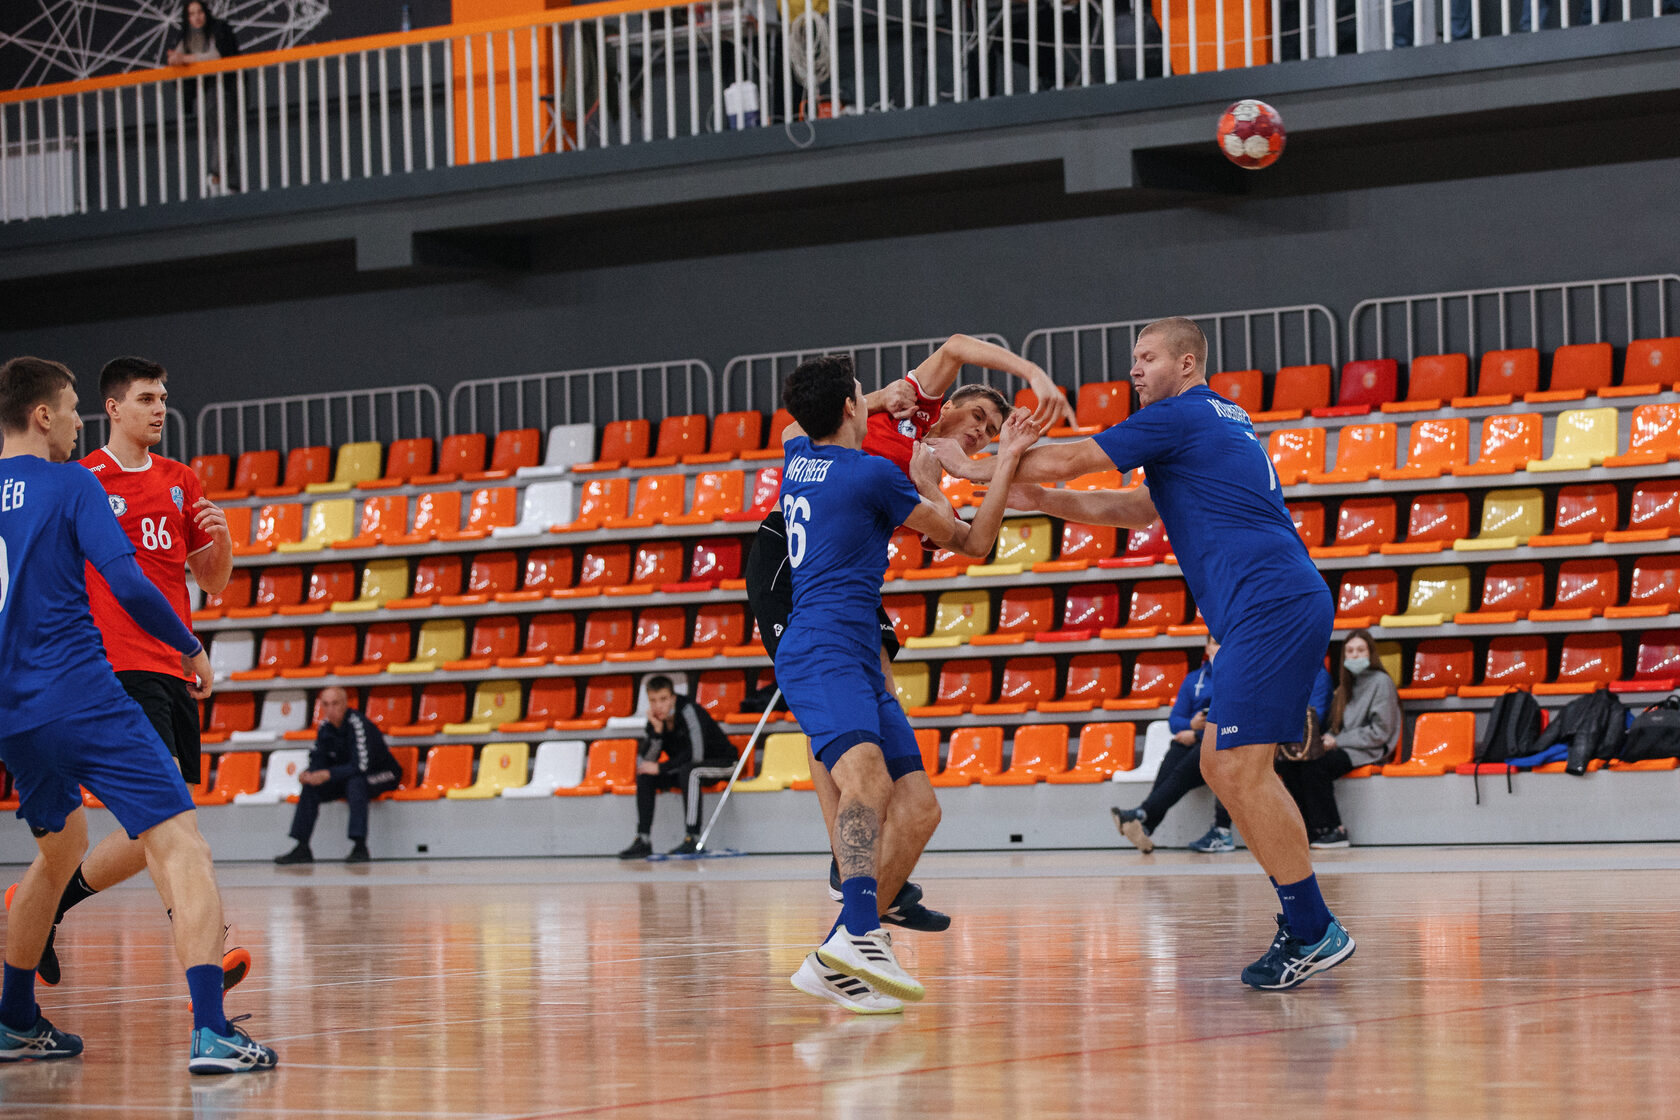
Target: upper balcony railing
633, 71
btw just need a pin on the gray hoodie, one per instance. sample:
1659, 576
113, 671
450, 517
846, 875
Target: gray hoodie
1371, 720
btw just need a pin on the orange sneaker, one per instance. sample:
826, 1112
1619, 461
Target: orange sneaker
48, 969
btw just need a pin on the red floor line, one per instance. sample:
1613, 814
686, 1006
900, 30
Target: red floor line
724, 1093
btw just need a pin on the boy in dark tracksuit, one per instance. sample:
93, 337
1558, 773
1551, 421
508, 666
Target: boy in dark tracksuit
695, 751
350, 761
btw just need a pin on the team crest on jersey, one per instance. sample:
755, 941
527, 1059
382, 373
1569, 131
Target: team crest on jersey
179, 497
119, 505
907, 428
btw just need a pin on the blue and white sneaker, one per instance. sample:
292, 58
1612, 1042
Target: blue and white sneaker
1215, 839
1289, 963
233, 1052
41, 1043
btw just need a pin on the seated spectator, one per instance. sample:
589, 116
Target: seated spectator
1361, 730
1181, 769
349, 761
682, 749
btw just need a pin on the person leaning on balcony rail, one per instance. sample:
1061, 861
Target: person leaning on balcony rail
204, 38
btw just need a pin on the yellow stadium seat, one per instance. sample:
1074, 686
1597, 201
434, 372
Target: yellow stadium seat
357, 462
961, 615
910, 682
1438, 593
382, 581
328, 522
1022, 542
444, 639
1582, 438
501, 766
787, 759
1509, 518
494, 703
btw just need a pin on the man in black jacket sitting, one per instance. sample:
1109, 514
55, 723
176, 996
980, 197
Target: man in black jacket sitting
695, 751
349, 761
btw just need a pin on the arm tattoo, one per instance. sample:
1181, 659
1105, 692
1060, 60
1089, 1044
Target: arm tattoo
855, 831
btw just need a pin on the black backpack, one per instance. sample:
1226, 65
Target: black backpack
1655, 733
1513, 724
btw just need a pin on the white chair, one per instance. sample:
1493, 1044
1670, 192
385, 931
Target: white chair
232, 651
283, 710
281, 779
567, 444
638, 719
546, 504
1156, 740
559, 763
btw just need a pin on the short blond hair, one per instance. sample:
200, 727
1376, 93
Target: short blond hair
1181, 336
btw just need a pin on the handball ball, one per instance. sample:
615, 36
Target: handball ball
1251, 134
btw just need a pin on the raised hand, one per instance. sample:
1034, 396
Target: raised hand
1052, 402
897, 398
950, 455
1019, 432
211, 519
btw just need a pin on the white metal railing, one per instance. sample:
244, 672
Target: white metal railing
1266, 339
397, 412
754, 381
96, 431
1544, 316
653, 390
633, 71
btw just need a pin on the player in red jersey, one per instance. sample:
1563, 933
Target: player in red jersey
162, 508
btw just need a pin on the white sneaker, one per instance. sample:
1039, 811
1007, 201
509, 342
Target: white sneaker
870, 959
815, 979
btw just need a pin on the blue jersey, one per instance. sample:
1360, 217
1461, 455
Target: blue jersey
54, 520
841, 508
1219, 499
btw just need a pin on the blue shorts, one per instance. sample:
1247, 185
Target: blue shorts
841, 700
1263, 676
113, 750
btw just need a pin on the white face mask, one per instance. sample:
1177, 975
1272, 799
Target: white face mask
1356, 665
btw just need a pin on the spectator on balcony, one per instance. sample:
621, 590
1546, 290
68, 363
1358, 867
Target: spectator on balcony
1362, 730
204, 38
682, 749
350, 761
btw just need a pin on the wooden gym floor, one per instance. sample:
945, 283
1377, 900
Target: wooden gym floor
1523, 982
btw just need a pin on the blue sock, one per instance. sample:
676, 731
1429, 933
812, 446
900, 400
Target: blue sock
1304, 909
204, 981
859, 912
17, 999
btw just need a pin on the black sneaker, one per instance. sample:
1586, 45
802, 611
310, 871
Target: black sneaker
358, 853
1332, 838
47, 970
1131, 826
690, 846
299, 854
917, 917
638, 849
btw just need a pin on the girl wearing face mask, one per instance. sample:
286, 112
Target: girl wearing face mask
1363, 729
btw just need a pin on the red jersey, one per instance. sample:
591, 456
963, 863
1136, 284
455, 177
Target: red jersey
154, 506
894, 440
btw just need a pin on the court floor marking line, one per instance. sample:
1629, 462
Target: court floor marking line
666, 1102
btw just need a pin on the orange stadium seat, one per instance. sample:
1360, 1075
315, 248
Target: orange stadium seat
1655, 437
389, 706
1584, 589
1362, 526
236, 772
491, 508
1434, 523
1653, 514
434, 578
255, 470
1584, 514
1091, 679
1088, 608
657, 563
547, 570
1022, 613
767, 484
974, 753
1656, 665
447, 767
908, 614
1440, 666
1296, 453
1366, 384
962, 684
551, 700
1144, 547
1652, 361
435, 512
214, 472
604, 697
1103, 749
1309, 522
658, 629
1296, 391
305, 466
439, 704
1577, 372
621, 441
658, 496
1512, 662
1441, 741
276, 524
714, 560
239, 524
1432, 381
716, 494
405, 460
494, 637
604, 632
1245, 387
230, 712
1027, 681
1155, 605
1082, 546
385, 643
601, 499
772, 448
1039, 751
1361, 451
721, 691
408, 770
610, 768
1653, 591
602, 565
1587, 663
461, 454
236, 594
514, 448
550, 635
1437, 446
1102, 404
1366, 595
1156, 675
732, 434
492, 573
678, 436
1508, 444
280, 649
716, 626
329, 648
904, 552
1504, 376
1509, 593
278, 586
383, 516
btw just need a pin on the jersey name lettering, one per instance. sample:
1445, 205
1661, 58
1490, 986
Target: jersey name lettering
11, 494
1230, 411
804, 469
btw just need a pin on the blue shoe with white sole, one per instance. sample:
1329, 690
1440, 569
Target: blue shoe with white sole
1289, 962
233, 1052
41, 1043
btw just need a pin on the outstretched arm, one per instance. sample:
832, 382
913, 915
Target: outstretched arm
939, 523
939, 373
1054, 462
1127, 509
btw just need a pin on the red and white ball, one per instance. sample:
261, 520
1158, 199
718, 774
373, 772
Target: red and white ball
1251, 134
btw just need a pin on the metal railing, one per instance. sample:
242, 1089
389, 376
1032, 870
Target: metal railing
1544, 316
1266, 339
583, 396
754, 381
398, 412
633, 71
96, 431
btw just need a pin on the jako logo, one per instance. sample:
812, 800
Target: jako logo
1231, 730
